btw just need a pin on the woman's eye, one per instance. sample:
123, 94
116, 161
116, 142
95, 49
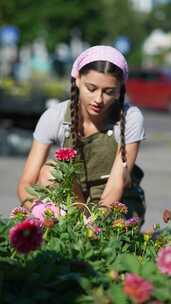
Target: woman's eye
91, 89
110, 93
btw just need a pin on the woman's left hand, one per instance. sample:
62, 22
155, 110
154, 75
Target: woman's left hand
166, 215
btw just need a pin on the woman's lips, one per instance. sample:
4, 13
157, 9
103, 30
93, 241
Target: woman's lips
96, 109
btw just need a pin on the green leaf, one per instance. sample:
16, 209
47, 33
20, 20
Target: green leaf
37, 191
117, 295
57, 174
148, 269
128, 263
163, 293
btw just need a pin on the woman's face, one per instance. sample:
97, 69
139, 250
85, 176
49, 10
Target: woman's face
98, 92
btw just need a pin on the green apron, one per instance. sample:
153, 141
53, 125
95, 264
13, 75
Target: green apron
97, 153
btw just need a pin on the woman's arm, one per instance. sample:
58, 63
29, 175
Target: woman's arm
36, 158
117, 183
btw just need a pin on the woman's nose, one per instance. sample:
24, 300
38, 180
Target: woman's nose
99, 97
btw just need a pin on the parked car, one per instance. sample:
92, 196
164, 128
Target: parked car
150, 89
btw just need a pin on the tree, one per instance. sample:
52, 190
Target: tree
122, 20
55, 19
160, 18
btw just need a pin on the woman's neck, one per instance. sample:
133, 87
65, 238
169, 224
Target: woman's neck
91, 124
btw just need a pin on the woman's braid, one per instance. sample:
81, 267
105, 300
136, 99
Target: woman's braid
74, 112
122, 125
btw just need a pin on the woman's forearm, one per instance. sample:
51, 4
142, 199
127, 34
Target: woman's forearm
115, 194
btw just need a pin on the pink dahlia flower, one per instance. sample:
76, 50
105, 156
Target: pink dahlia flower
65, 154
44, 211
164, 260
138, 289
26, 236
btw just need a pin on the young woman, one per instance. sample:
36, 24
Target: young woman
104, 129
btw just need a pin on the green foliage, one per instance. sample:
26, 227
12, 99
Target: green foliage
72, 265
99, 21
27, 90
159, 18
83, 258
60, 190
54, 20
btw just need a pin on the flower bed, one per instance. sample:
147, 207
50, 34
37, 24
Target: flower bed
75, 253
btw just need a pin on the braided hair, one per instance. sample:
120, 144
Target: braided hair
122, 124
106, 68
74, 113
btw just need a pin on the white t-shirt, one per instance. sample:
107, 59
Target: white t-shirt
51, 128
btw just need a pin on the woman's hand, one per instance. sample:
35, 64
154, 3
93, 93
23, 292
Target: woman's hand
166, 215
27, 204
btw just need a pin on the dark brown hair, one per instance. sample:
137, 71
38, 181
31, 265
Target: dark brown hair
106, 68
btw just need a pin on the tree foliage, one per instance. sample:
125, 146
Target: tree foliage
99, 21
54, 20
160, 18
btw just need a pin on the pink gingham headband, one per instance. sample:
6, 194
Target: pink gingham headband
100, 52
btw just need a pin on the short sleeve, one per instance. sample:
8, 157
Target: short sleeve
48, 128
134, 126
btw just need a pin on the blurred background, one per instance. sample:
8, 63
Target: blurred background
39, 41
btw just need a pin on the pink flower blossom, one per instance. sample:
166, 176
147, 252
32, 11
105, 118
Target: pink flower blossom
26, 236
138, 289
120, 208
65, 154
97, 230
20, 213
164, 260
44, 211
133, 222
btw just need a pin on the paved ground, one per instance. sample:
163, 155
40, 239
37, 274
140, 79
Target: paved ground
154, 158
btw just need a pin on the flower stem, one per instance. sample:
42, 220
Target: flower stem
68, 201
13, 254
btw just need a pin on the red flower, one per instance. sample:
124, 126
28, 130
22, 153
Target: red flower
65, 154
26, 236
138, 289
